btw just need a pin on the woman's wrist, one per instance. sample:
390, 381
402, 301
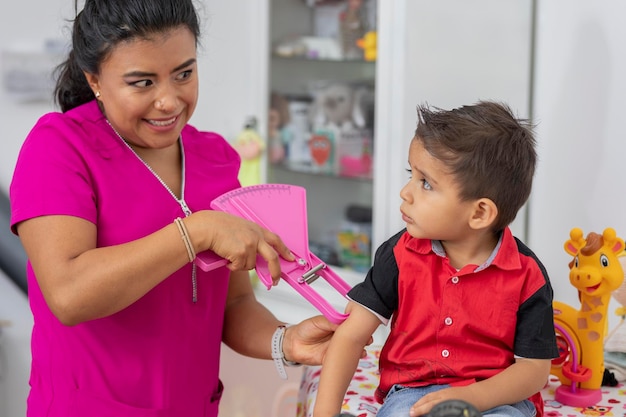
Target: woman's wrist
278, 354
193, 221
287, 361
200, 225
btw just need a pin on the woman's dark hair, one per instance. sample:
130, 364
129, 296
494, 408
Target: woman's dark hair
490, 152
101, 25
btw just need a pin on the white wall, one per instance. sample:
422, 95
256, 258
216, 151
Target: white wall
579, 101
579, 105
26, 27
445, 53
224, 59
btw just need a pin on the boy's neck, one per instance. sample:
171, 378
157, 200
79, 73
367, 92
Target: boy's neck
474, 250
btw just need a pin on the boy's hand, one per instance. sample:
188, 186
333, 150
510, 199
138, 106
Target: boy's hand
429, 401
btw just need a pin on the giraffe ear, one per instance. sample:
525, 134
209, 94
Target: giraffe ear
575, 242
570, 248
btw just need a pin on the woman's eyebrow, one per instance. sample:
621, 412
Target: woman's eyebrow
151, 74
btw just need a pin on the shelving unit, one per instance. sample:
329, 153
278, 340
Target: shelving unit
299, 74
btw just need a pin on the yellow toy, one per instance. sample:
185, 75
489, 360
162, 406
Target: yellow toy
368, 44
596, 272
250, 147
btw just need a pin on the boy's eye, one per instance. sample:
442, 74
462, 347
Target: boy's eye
426, 185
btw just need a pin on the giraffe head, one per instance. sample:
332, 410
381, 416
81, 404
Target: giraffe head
595, 269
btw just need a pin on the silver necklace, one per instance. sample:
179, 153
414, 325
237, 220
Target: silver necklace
181, 201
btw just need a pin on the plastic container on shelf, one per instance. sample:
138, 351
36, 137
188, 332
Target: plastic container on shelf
354, 240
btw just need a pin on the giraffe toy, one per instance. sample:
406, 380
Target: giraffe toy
595, 272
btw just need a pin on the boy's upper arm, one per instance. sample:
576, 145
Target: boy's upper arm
360, 324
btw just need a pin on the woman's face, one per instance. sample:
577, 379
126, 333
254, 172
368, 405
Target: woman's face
149, 87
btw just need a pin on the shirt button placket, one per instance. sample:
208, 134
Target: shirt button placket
445, 353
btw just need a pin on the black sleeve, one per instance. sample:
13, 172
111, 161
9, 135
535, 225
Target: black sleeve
535, 336
379, 291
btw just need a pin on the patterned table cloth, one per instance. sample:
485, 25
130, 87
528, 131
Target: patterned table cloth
360, 401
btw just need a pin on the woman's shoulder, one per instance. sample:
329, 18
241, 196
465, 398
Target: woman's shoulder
207, 144
193, 134
72, 121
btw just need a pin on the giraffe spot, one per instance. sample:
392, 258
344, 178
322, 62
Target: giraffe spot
596, 317
597, 302
582, 324
593, 336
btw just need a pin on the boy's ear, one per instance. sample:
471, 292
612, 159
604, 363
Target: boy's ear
484, 214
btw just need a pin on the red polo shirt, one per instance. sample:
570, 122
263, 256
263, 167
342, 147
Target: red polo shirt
456, 327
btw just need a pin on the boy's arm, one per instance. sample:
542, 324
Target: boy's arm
516, 383
342, 359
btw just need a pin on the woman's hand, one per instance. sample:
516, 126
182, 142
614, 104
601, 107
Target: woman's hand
307, 341
237, 240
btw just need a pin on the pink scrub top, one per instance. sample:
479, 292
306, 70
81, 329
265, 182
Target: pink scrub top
159, 357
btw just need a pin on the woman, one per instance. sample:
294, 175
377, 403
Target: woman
110, 199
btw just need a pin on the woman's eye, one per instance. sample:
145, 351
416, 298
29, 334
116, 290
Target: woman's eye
184, 75
142, 83
426, 185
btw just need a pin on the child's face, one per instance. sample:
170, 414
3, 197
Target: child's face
431, 207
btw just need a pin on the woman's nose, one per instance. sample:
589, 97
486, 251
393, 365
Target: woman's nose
166, 99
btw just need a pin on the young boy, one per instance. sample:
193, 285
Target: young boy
471, 304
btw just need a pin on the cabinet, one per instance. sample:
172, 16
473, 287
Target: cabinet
321, 121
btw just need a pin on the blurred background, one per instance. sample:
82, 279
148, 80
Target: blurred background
560, 63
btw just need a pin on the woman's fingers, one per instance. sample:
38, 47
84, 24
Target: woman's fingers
247, 242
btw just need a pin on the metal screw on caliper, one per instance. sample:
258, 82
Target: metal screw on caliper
311, 275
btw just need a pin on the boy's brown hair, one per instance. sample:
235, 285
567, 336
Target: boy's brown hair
490, 152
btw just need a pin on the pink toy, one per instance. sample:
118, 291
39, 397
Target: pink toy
595, 272
280, 208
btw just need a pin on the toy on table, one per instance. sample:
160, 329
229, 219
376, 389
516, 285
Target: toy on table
595, 272
338, 105
250, 147
341, 123
281, 208
368, 43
